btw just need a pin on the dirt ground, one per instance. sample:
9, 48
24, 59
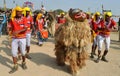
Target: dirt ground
43, 61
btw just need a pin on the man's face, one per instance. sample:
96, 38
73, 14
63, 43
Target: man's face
108, 17
19, 13
88, 16
97, 17
27, 12
62, 15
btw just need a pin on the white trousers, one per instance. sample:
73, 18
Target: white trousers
28, 37
21, 43
106, 41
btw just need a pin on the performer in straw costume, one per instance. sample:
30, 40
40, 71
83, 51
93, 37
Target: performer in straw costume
72, 39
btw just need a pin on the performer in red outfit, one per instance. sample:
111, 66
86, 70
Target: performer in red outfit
18, 26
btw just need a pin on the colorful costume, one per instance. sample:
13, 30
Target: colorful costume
42, 31
72, 39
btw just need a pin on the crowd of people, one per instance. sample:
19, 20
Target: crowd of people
21, 24
101, 28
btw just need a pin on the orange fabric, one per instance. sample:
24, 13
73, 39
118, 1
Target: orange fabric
93, 35
106, 33
44, 33
40, 24
29, 23
17, 26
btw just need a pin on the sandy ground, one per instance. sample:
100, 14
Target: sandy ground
43, 61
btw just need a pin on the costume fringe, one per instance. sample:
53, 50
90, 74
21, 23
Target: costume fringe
71, 42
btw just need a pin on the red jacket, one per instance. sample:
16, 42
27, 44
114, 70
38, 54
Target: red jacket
18, 25
96, 25
106, 26
61, 20
29, 23
40, 24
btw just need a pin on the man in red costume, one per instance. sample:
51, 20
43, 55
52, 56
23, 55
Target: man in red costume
29, 25
18, 27
108, 25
